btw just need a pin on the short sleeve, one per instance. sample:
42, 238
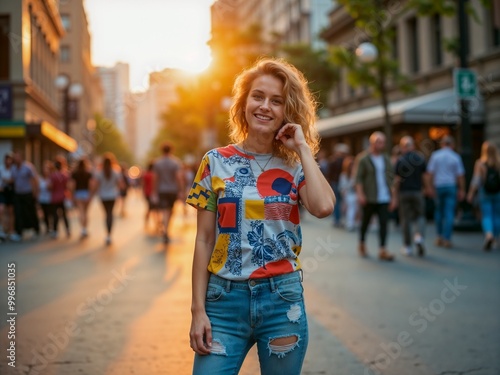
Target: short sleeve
201, 194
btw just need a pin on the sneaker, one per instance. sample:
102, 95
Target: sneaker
439, 241
406, 250
3, 237
166, 238
53, 234
108, 240
420, 249
84, 233
15, 237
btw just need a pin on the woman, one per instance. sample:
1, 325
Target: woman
108, 183
347, 186
58, 187
486, 180
80, 185
45, 196
147, 189
248, 234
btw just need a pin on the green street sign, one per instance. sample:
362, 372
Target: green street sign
465, 83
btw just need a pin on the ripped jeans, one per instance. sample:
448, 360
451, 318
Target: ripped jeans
262, 311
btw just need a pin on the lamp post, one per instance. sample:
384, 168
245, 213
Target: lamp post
71, 93
368, 53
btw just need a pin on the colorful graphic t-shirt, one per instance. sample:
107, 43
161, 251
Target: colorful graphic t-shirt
258, 232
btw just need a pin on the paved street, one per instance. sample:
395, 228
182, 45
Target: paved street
84, 308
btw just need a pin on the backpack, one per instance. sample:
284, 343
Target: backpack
492, 180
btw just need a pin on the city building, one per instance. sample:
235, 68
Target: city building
30, 35
433, 110
151, 104
76, 64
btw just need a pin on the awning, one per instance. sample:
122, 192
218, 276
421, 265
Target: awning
19, 129
53, 134
440, 108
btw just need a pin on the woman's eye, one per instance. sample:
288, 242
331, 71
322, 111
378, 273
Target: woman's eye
257, 97
277, 102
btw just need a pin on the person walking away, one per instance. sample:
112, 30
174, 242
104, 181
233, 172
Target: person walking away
347, 187
147, 189
341, 150
108, 182
247, 283
123, 190
408, 190
486, 181
80, 186
58, 189
168, 186
45, 196
374, 179
6, 198
25, 181
446, 184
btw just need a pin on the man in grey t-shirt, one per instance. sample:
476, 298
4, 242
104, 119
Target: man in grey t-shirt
168, 185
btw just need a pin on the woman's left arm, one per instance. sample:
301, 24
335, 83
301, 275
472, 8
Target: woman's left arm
316, 195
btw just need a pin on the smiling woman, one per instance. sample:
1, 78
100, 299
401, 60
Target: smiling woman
150, 37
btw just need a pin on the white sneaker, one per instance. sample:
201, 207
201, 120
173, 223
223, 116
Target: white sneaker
108, 240
406, 250
15, 237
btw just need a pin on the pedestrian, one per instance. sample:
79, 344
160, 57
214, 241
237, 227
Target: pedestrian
486, 181
80, 186
25, 196
147, 189
246, 273
408, 190
341, 150
123, 190
45, 196
58, 189
446, 184
374, 179
347, 187
108, 182
6, 197
168, 186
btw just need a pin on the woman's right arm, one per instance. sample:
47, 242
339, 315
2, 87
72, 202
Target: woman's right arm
476, 181
201, 331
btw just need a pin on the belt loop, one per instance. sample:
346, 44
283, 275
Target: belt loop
301, 272
228, 286
272, 285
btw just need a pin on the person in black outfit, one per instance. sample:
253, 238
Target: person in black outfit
408, 189
341, 150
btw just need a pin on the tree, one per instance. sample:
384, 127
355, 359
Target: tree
316, 67
107, 138
376, 19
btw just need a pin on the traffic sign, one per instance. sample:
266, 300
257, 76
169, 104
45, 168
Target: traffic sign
465, 83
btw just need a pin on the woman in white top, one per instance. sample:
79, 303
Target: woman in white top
108, 182
44, 195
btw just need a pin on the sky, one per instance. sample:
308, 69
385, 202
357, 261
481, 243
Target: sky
150, 35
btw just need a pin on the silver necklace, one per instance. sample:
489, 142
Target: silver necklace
262, 168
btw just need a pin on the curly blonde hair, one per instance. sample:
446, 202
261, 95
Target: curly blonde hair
299, 108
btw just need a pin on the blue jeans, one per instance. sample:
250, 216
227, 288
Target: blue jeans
444, 214
243, 313
490, 212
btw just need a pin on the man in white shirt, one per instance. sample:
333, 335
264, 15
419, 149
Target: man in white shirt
445, 172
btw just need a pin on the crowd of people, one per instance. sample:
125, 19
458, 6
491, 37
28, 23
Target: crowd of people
39, 200
401, 186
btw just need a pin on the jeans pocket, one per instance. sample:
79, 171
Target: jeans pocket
214, 292
291, 292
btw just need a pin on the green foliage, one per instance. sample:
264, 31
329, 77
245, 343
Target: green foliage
316, 67
107, 138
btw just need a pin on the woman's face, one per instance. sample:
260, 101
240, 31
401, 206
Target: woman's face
265, 105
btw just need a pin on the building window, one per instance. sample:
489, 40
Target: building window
65, 54
413, 44
4, 47
66, 21
437, 43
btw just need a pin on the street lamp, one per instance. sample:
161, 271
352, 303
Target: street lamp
71, 93
368, 53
